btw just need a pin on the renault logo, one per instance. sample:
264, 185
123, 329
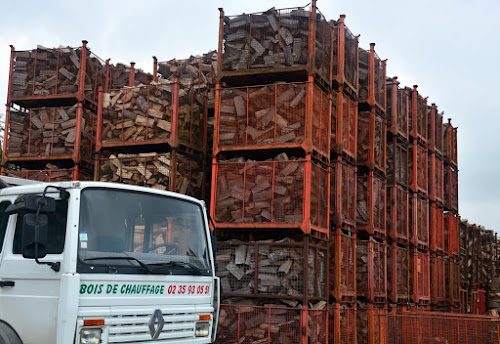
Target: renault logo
156, 324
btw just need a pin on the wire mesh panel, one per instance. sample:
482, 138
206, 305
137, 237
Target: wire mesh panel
370, 324
438, 279
274, 116
371, 269
451, 189
371, 203
379, 86
438, 138
433, 327
271, 194
347, 325
397, 162
372, 78
420, 277
437, 233
398, 109
50, 175
48, 72
345, 117
438, 175
278, 39
398, 273
272, 268
49, 132
419, 213
452, 236
343, 267
398, 214
343, 193
164, 171
419, 119
419, 171
371, 139
452, 275
450, 143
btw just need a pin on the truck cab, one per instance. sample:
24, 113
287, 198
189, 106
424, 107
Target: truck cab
93, 262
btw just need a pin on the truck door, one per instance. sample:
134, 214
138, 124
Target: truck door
29, 304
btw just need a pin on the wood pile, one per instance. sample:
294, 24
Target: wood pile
371, 273
249, 322
119, 76
49, 132
280, 269
371, 135
154, 170
364, 58
271, 39
198, 72
43, 71
271, 120
371, 206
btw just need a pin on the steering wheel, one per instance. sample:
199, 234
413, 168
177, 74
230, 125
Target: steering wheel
171, 247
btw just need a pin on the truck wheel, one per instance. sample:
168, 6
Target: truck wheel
8, 335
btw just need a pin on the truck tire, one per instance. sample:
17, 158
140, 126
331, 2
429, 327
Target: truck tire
8, 335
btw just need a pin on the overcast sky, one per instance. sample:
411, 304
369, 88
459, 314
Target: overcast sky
449, 48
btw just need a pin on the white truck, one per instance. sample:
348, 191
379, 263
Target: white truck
96, 263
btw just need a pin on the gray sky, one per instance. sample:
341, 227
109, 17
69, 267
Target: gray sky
449, 48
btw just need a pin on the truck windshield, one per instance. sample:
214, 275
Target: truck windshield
134, 232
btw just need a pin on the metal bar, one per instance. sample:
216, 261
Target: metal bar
155, 69
78, 133
83, 72
174, 135
131, 74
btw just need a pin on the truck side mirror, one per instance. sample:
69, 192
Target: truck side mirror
34, 239
32, 203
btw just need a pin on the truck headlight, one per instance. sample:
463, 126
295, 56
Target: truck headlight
90, 335
202, 329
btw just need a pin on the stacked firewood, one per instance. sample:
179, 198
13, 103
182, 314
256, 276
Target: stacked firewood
155, 170
280, 269
48, 132
44, 71
196, 71
240, 200
119, 76
269, 39
137, 113
50, 173
266, 126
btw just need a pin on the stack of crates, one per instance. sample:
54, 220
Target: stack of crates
271, 171
151, 131
51, 113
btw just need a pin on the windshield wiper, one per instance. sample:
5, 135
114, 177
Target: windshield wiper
143, 265
182, 265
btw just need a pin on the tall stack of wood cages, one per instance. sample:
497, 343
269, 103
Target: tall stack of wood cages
51, 113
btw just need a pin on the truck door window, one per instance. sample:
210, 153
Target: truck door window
57, 229
4, 218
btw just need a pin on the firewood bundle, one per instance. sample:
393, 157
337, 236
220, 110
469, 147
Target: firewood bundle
49, 132
137, 113
245, 191
119, 76
280, 269
195, 71
271, 39
272, 119
155, 170
43, 71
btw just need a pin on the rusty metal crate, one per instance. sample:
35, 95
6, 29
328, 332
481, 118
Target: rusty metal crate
344, 133
345, 57
419, 128
271, 324
372, 79
370, 323
371, 140
441, 327
436, 137
371, 204
452, 234
49, 133
450, 143
51, 175
398, 273
398, 109
276, 116
451, 189
152, 115
287, 268
420, 277
437, 229
343, 182
287, 194
419, 168
436, 179
452, 275
45, 75
343, 266
397, 162
438, 281
420, 219
398, 228
371, 269
121, 75
342, 327
291, 40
